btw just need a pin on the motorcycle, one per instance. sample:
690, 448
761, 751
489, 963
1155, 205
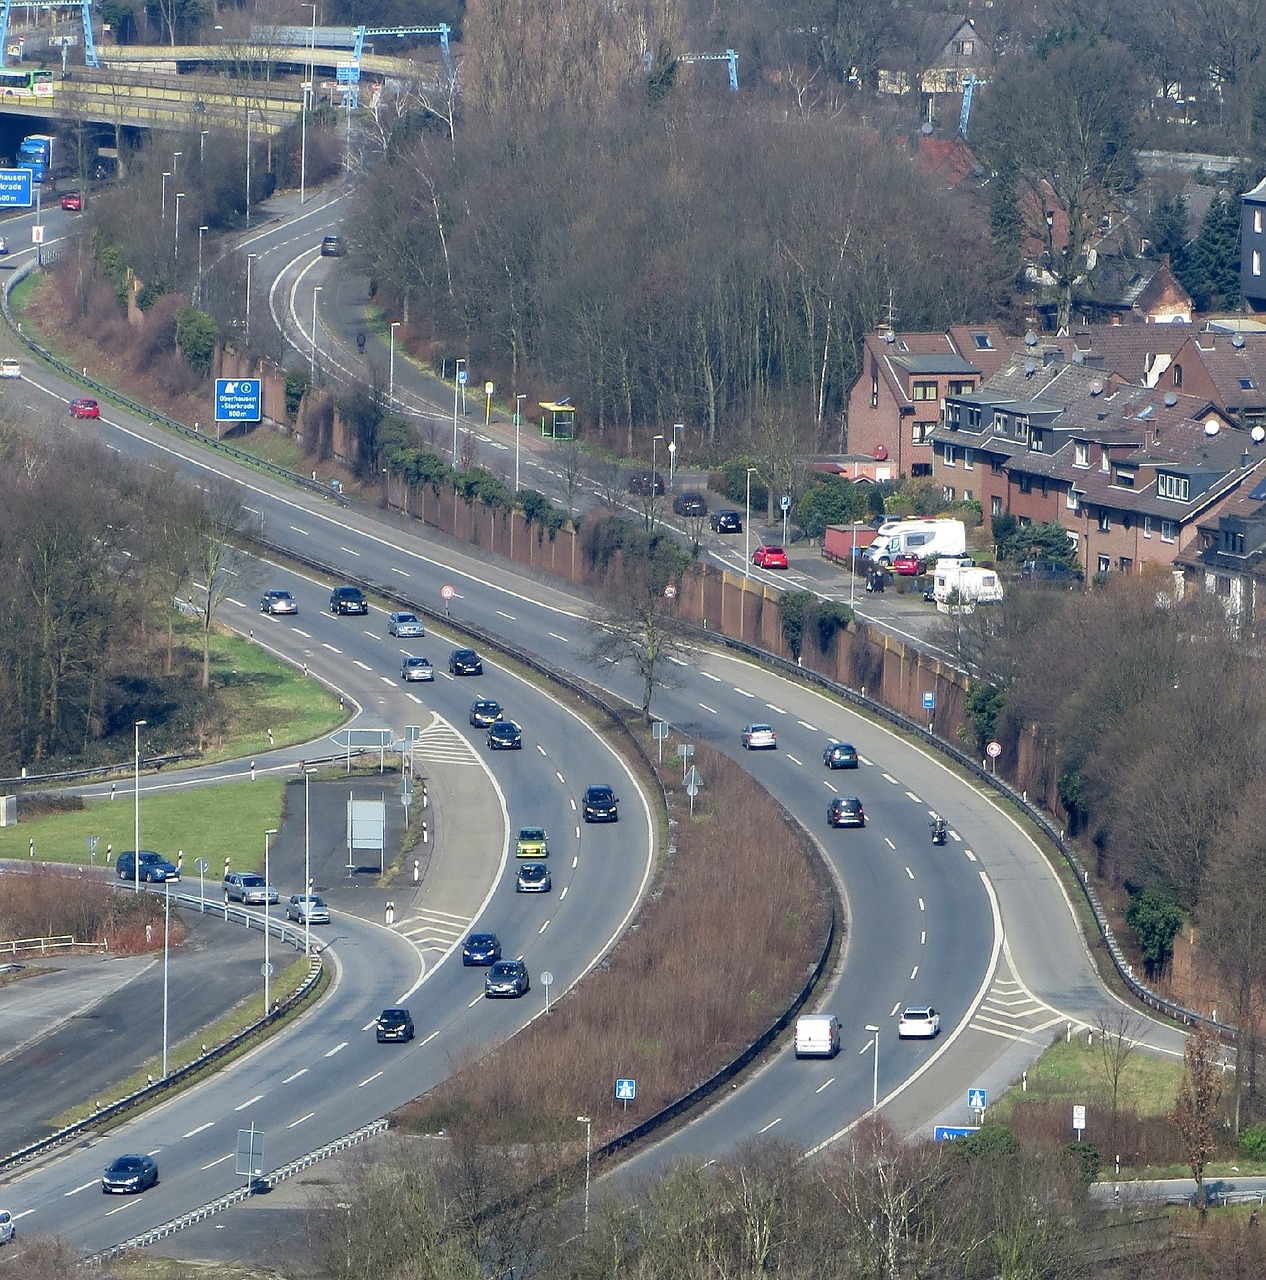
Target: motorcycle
940, 830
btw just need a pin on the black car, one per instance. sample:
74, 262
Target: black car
533, 877
465, 662
600, 805
481, 948
395, 1024
647, 484
1050, 572
348, 600
129, 1175
332, 247
727, 522
485, 712
505, 735
690, 503
840, 755
154, 867
846, 811
507, 978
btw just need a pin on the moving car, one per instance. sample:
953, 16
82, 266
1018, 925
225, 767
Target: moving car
4, 247
759, 737
394, 1024
154, 868
344, 600
416, 668
481, 948
484, 712
690, 503
504, 735
533, 877
846, 811
817, 1035
129, 1175
907, 565
275, 602
918, 1022
73, 201
465, 662
332, 247
84, 407
404, 625
8, 1231
307, 907
647, 484
10, 368
600, 804
769, 558
249, 889
533, 842
840, 755
727, 522
507, 978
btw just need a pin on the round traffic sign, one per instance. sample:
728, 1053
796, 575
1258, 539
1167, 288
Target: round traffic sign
670, 592
447, 592
266, 970
547, 979
785, 502
202, 866
993, 750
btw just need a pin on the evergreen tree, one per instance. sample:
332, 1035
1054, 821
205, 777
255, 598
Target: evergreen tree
1211, 271
1167, 228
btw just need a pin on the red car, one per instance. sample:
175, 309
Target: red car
84, 408
907, 565
769, 558
73, 201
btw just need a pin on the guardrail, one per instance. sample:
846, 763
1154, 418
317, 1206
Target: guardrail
63, 942
99, 771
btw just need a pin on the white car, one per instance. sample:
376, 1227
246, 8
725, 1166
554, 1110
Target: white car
405, 625
307, 905
8, 1232
414, 668
760, 737
918, 1023
275, 602
10, 368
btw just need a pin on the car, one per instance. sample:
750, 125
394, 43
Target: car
507, 978
533, 842
1053, 572
154, 868
484, 711
770, 557
307, 908
404, 625
504, 735
727, 522
481, 948
840, 755
416, 668
759, 737
73, 201
533, 877
690, 502
918, 1022
249, 889
8, 1231
394, 1024
344, 600
465, 662
332, 246
84, 407
10, 368
846, 811
647, 484
275, 602
600, 804
129, 1175
907, 565
4, 247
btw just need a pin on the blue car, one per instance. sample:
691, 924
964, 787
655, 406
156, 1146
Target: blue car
154, 867
481, 948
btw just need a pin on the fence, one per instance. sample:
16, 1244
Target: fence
64, 942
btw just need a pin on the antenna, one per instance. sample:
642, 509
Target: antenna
1171, 399
1096, 387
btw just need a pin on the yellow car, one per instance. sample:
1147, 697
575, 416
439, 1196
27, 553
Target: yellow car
532, 843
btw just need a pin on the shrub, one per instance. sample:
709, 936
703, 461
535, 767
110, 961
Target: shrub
296, 388
1155, 917
1253, 1141
984, 706
540, 511
149, 293
734, 483
832, 616
1084, 1159
794, 608
480, 484
196, 334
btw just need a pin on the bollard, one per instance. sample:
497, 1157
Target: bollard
251, 633
1024, 1082
31, 854
425, 834
417, 870
1068, 1039
112, 791
252, 770
270, 738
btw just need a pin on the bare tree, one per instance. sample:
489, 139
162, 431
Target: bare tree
218, 558
1197, 1100
1119, 1031
571, 461
610, 480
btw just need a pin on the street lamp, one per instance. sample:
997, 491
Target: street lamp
166, 175
518, 422
175, 156
250, 257
202, 146
654, 479
202, 231
391, 377
307, 862
747, 526
175, 257
268, 969
136, 796
672, 451
874, 1089
166, 957
457, 382
588, 1123
308, 87
312, 360
852, 581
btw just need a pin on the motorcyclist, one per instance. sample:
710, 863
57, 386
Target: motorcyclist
940, 829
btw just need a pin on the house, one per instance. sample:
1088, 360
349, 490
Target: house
939, 58
1135, 353
1253, 247
1228, 559
1227, 369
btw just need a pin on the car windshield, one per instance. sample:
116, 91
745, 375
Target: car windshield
406, 617
392, 1015
533, 871
762, 728
481, 940
126, 1165
252, 881
504, 969
600, 793
531, 833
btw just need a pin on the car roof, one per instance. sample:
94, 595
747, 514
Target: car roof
405, 614
760, 726
394, 1012
531, 833
599, 786
917, 1011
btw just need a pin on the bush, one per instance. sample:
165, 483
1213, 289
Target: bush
1253, 1141
296, 388
794, 608
1084, 1159
832, 616
734, 484
1155, 917
540, 511
196, 335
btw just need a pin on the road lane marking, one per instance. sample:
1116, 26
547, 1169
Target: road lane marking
914, 797
705, 706
887, 777
889, 843
910, 873
556, 636
250, 1102
573, 809
575, 862
921, 906
414, 696
294, 1124
804, 724
707, 675
86, 1185
221, 1160
401, 572
325, 644
430, 1037
563, 894
300, 632
364, 666
542, 929
369, 1080
561, 779
295, 529
23, 1214
779, 710
341, 1045
119, 1208
475, 1001
794, 760
540, 748
970, 855
923, 938
895, 1007
385, 679
820, 1087
743, 692
349, 551
577, 829
679, 662
199, 1129
769, 1126
914, 972
501, 613
303, 1071
830, 786
369, 1026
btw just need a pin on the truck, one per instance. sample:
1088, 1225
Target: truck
36, 154
958, 586
926, 539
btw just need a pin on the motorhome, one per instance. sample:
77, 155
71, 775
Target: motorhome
923, 538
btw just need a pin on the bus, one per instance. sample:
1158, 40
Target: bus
18, 83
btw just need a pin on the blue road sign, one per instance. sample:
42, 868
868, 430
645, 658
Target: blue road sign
462, 377
625, 1090
929, 701
15, 189
238, 400
975, 1099
948, 1132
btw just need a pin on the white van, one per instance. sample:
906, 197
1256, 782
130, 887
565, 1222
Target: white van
922, 538
817, 1035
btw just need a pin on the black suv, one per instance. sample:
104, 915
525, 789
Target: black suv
465, 662
332, 247
348, 600
647, 484
504, 735
846, 811
690, 503
727, 522
600, 805
395, 1024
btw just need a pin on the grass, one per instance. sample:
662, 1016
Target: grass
278, 447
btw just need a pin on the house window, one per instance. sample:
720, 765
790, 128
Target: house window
925, 391
1257, 259
983, 341
1081, 453
1257, 221
995, 507
919, 470
1176, 487
957, 388
1147, 526
1246, 384
1105, 522
1103, 461
1037, 444
973, 418
1178, 375
921, 432
995, 466
1222, 581
1232, 542
1045, 491
1125, 564
1104, 564
964, 48
1167, 531
1021, 429
947, 493
1072, 499
1026, 483
1025, 521
969, 459
947, 454
1125, 479
874, 392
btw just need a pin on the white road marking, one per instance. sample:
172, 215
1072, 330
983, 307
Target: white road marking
23, 1214
326, 645
540, 748
501, 613
910, 873
573, 809
221, 1160
387, 680
154, 1152
895, 1007
431, 1036
300, 632
779, 710
475, 1001
556, 636
678, 662
575, 862
295, 529
364, 666
561, 779
769, 1126
199, 1129
705, 706
794, 760
970, 855
294, 1124
563, 894
921, 906
889, 843
119, 1208
85, 1187
414, 696
827, 1085
250, 1102
913, 972
804, 724
341, 1045
349, 551
577, 829
923, 938
743, 692
887, 777
401, 572
542, 929
914, 797
303, 1071
830, 786
707, 675
369, 1026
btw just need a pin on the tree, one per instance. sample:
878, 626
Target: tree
1196, 1103
1168, 228
1118, 1038
1210, 272
219, 560
1155, 918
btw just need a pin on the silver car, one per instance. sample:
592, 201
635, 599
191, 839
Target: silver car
307, 906
404, 625
275, 602
416, 669
249, 889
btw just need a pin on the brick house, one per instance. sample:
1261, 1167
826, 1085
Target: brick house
1228, 559
1227, 369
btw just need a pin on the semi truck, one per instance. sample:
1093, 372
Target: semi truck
36, 154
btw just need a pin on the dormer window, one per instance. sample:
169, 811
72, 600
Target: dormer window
1232, 542
1178, 375
1081, 453
1125, 479
1171, 486
925, 391
1104, 465
983, 341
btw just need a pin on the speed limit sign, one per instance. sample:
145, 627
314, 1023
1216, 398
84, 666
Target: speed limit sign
447, 592
993, 750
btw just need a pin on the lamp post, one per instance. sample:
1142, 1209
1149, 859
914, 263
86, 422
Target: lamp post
518, 422
268, 969
316, 288
175, 256
654, 481
457, 382
166, 957
202, 146
166, 175
852, 581
391, 365
250, 258
202, 231
303, 139
747, 527
307, 861
248, 170
136, 796
175, 157
874, 1089
672, 451
588, 1123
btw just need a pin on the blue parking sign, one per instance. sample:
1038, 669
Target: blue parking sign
238, 400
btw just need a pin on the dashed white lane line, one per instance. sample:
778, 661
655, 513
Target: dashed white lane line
299, 631
743, 692
325, 644
501, 613
556, 636
575, 862
923, 938
337, 1048
294, 1124
914, 797
364, 666
477, 1000
430, 1038
119, 1208
403, 573
369, 1026
677, 662
887, 777
707, 675
250, 1102
386, 680
971, 856
773, 708
804, 724
294, 528
573, 806
542, 929
414, 696
563, 894
921, 906
914, 972
560, 777
199, 1129
769, 1126
793, 759
889, 843
577, 829
303, 1071
23, 1214
349, 551
540, 748
827, 1085
221, 1160
86, 1185
830, 786
910, 873
705, 706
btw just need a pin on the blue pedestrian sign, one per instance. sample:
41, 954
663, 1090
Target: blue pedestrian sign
929, 701
948, 1132
625, 1090
975, 1099
238, 400
15, 189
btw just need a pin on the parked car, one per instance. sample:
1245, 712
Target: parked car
600, 804
918, 1022
481, 948
8, 1231
10, 368
840, 755
507, 978
249, 889
484, 711
533, 842
907, 565
275, 602
1054, 572
307, 908
154, 868
345, 600
769, 558
504, 735
72, 201
647, 484
759, 737
129, 1175
727, 522
416, 668
404, 625
465, 662
690, 503
332, 246
533, 877
84, 407
394, 1025
846, 811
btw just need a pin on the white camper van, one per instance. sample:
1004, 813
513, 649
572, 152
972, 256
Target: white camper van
958, 587
817, 1035
922, 538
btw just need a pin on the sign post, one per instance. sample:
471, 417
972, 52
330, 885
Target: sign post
976, 1104
659, 731
993, 750
250, 1153
446, 594
1079, 1121
625, 1091
694, 780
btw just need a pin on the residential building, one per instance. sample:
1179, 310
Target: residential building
1253, 247
1227, 369
1228, 559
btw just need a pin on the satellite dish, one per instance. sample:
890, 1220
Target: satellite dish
926, 129
1237, 339
1030, 339
881, 453
1171, 399
1079, 356
1096, 387
1030, 368
1212, 427
1258, 434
